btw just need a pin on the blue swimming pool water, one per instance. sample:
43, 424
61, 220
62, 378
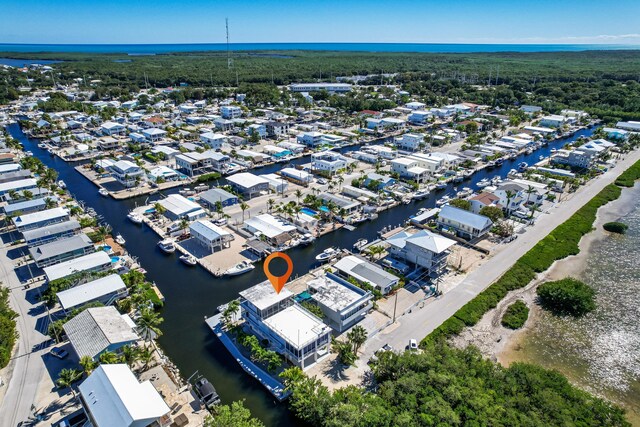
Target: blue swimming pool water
324, 209
308, 211
115, 259
106, 248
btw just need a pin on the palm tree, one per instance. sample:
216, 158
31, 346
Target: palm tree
530, 190
375, 250
109, 358
244, 207
219, 208
298, 195
27, 194
340, 180
184, 224
67, 377
270, 204
357, 336
49, 203
130, 355
148, 325
229, 312
13, 194
88, 364
509, 195
160, 210
102, 233
145, 355
533, 209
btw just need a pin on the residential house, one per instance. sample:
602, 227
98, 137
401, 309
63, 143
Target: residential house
210, 197
366, 273
49, 233
93, 262
230, 111
248, 184
463, 223
342, 303
276, 231
210, 235
277, 129
40, 219
423, 249
213, 140
328, 161
61, 250
127, 173
410, 141
112, 396
98, 330
178, 207
106, 290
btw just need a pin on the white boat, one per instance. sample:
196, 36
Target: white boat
443, 201
523, 166
441, 185
240, 268
28, 153
465, 192
484, 182
62, 184
360, 244
103, 192
420, 194
541, 158
42, 146
190, 260
120, 240
491, 164
201, 187
307, 239
135, 218
167, 246
327, 254
459, 177
187, 192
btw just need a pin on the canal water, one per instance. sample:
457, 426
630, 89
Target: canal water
192, 293
600, 351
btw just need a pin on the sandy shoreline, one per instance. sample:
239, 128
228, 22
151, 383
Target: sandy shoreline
503, 345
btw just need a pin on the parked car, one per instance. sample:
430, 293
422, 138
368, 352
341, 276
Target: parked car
413, 344
322, 181
58, 352
220, 222
385, 347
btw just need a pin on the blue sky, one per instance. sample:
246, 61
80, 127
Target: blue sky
410, 21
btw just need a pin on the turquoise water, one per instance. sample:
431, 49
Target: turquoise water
308, 211
150, 49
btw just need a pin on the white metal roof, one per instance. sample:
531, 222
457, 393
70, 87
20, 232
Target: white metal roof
297, 326
178, 204
269, 225
246, 180
263, 295
209, 230
115, 398
77, 265
91, 291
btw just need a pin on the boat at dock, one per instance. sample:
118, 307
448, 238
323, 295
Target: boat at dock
134, 217
484, 182
167, 246
499, 162
441, 185
120, 240
306, 239
190, 260
360, 244
523, 166
103, 192
187, 192
62, 184
420, 194
240, 268
465, 192
206, 393
327, 254
443, 201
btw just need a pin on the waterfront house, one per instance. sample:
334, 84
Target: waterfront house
419, 117
61, 250
463, 223
310, 139
631, 126
17, 175
257, 128
210, 197
276, 231
28, 206
193, 164
97, 330
210, 235
366, 273
378, 181
163, 173
407, 168
328, 161
288, 328
297, 176
553, 121
293, 147
423, 249
178, 206
343, 203
107, 143
93, 262
127, 173
50, 233
482, 200
342, 303
40, 219
248, 184
20, 185
276, 182
106, 290
8, 168
112, 396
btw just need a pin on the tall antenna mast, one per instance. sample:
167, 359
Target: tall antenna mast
229, 61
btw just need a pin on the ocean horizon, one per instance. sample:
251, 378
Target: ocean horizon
150, 49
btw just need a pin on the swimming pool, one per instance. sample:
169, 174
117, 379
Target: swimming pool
106, 248
308, 211
115, 259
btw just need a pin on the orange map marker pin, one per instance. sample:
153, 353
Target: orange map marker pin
278, 281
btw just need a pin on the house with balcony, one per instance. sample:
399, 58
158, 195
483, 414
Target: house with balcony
277, 130
328, 161
230, 111
258, 128
210, 235
287, 327
127, 173
419, 117
106, 290
408, 168
422, 250
366, 273
40, 219
462, 223
342, 303
248, 184
193, 164
410, 141
61, 250
213, 140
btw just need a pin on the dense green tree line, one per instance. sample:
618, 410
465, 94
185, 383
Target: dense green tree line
445, 386
8, 333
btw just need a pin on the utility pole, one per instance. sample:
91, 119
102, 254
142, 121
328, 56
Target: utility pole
395, 305
229, 61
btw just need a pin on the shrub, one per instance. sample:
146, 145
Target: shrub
616, 227
516, 315
567, 297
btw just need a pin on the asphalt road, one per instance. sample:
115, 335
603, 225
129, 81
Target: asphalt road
422, 321
28, 366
